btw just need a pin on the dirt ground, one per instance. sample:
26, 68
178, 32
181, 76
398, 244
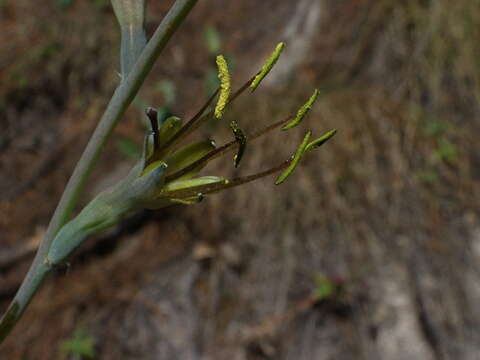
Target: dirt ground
386, 214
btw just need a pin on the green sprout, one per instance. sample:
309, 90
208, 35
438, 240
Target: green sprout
80, 345
325, 287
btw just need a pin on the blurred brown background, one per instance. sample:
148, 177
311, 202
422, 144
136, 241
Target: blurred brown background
387, 213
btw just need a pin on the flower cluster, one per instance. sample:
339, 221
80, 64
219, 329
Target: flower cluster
167, 173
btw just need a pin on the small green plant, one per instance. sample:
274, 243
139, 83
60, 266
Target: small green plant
327, 288
80, 346
168, 171
445, 150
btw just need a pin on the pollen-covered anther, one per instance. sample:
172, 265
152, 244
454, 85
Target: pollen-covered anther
321, 140
303, 111
295, 160
225, 86
241, 138
267, 66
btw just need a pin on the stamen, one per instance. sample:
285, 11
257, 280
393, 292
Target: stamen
195, 122
267, 67
219, 186
189, 201
296, 159
242, 142
321, 140
288, 166
188, 127
246, 179
303, 111
225, 86
226, 148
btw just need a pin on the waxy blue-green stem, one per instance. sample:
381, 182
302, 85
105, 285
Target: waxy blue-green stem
131, 17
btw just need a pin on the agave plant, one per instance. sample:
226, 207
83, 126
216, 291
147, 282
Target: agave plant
167, 172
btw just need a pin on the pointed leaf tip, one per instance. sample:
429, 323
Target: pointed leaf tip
321, 140
303, 111
169, 129
296, 159
268, 66
191, 187
225, 86
156, 166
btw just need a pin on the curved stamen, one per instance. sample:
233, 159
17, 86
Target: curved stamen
201, 116
288, 166
241, 138
216, 187
226, 148
187, 128
225, 86
295, 160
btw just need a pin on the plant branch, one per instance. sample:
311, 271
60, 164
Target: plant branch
121, 99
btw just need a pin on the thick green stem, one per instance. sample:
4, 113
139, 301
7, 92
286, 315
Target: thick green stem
119, 103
